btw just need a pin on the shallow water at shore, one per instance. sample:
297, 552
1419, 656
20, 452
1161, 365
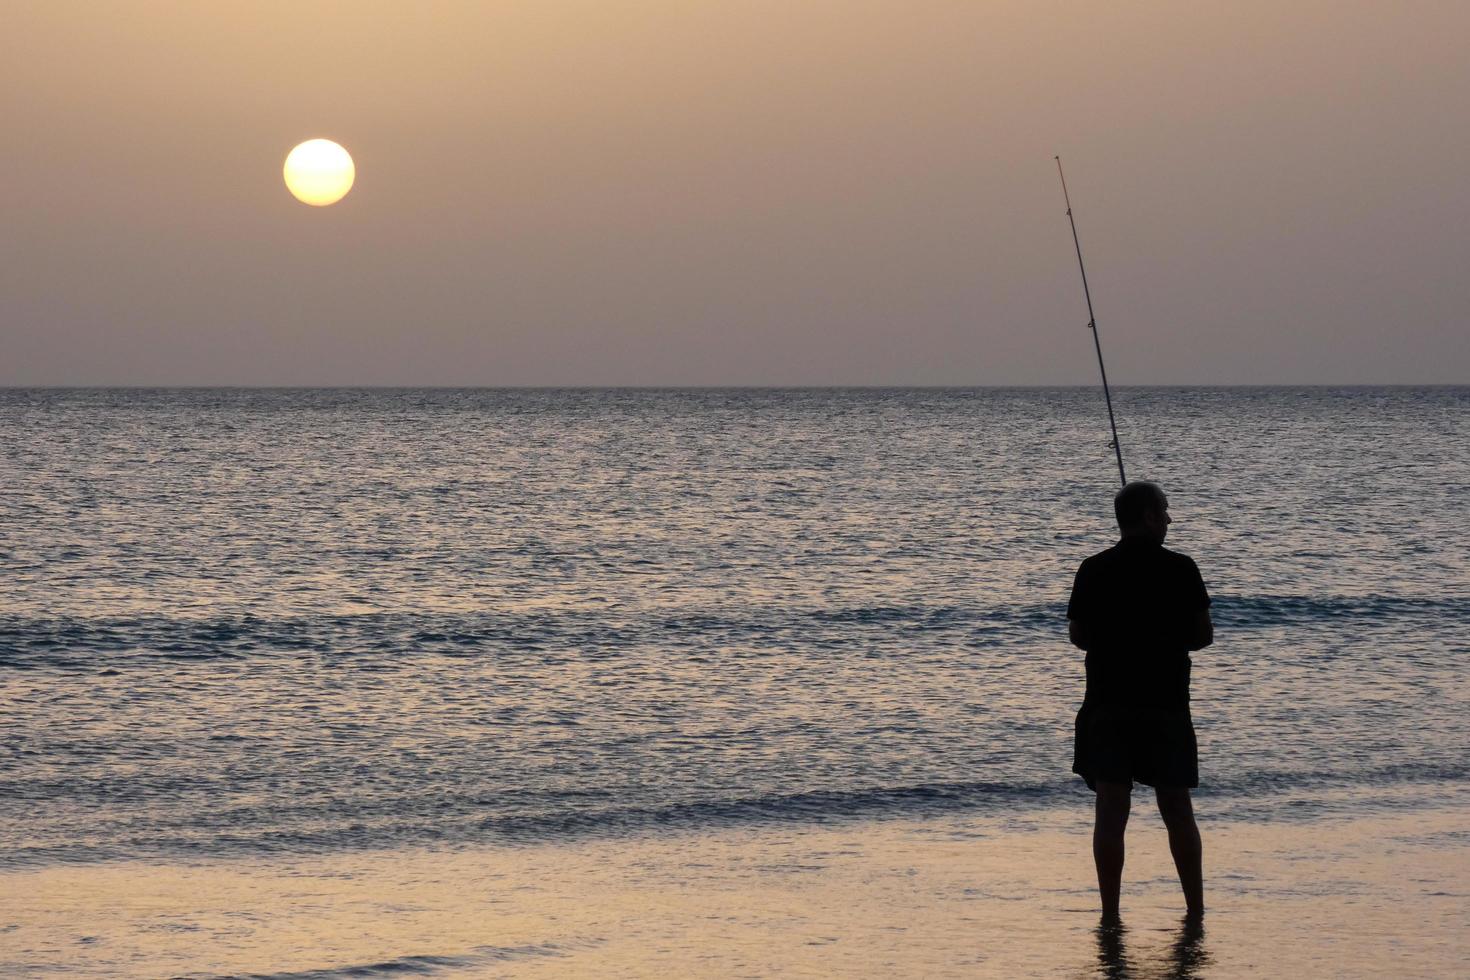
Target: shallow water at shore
955, 896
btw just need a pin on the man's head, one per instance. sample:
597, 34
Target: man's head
1142, 511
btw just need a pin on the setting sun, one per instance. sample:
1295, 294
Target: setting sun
319, 172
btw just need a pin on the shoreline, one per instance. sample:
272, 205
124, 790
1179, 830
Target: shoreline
950, 895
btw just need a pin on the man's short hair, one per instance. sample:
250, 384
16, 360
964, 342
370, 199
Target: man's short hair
1135, 501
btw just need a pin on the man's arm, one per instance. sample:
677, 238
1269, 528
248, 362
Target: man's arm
1079, 605
1076, 634
1202, 631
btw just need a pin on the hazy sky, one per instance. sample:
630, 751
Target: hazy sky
735, 192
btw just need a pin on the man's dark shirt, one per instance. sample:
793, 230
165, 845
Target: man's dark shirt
1137, 604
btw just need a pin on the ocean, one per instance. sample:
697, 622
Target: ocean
257, 624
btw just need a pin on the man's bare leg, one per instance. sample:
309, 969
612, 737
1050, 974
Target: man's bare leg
1107, 842
1184, 843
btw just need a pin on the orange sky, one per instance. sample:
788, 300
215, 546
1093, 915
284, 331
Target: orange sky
810, 192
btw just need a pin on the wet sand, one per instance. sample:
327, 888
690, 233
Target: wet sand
1385, 895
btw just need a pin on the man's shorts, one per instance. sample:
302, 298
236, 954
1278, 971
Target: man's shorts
1119, 744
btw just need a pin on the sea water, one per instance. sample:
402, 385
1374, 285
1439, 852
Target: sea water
292, 622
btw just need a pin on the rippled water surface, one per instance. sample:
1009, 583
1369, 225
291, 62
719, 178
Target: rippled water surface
289, 621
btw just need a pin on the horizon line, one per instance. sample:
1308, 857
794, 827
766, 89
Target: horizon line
714, 387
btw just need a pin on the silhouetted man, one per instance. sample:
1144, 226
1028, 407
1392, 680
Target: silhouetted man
1138, 609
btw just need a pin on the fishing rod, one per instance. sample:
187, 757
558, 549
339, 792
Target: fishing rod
1092, 325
